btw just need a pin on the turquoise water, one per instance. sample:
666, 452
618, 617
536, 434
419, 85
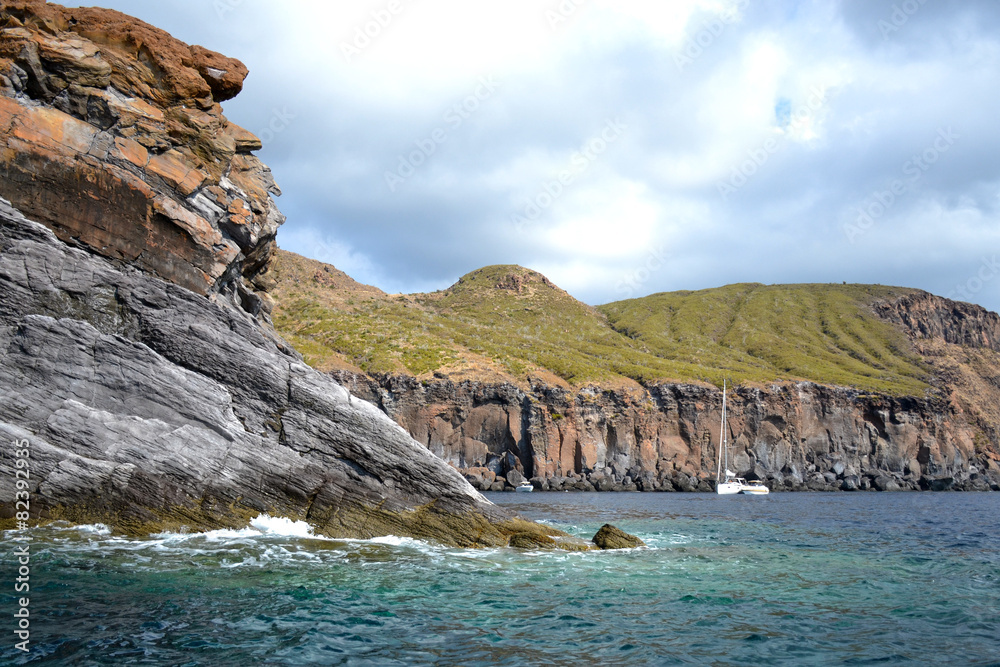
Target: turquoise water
791, 579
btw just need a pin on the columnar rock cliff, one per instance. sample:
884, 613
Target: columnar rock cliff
666, 436
136, 363
796, 436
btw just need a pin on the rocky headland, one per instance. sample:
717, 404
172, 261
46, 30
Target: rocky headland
504, 395
136, 357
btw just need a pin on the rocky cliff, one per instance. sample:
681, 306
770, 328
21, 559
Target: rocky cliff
927, 317
144, 404
797, 436
112, 135
506, 376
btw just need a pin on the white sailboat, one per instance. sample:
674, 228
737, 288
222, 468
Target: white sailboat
732, 485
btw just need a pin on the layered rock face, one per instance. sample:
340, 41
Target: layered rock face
147, 406
666, 436
111, 134
928, 317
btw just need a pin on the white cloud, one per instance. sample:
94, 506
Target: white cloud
753, 70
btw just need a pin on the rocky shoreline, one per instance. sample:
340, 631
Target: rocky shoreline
794, 436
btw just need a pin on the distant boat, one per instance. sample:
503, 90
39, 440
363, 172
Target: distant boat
524, 487
733, 485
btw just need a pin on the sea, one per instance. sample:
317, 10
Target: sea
787, 579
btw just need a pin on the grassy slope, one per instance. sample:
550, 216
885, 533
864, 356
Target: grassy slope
824, 333
506, 322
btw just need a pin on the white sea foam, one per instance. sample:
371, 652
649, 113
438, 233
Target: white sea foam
282, 526
95, 529
220, 535
262, 525
395, 541
98, 529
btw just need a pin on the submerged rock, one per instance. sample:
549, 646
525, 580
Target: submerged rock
609, 537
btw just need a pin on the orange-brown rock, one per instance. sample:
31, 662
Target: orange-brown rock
111, 133
666, 436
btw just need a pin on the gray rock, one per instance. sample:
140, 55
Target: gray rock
540, 483
514, 478
148, 406
937, 483
885, 483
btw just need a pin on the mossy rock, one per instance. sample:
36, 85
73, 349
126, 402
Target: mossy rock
609, 537
532, 541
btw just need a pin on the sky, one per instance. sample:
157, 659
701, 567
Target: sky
625, 147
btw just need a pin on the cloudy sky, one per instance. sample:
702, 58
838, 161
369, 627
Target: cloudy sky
625, 147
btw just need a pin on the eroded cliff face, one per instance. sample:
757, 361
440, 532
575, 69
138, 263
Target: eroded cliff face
924, 316
666, 436
112, 135
147, 407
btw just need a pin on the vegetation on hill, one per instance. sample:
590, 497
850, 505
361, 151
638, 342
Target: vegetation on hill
507, 322
824, 333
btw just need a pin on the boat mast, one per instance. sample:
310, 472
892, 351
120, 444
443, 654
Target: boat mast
722, 437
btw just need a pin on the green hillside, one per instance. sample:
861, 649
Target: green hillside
507, 322
824, 333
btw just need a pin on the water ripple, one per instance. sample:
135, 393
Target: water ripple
800, 579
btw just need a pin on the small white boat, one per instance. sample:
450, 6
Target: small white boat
733, 485
754, 487
524, 487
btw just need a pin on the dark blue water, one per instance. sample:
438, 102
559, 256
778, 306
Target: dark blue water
790, 579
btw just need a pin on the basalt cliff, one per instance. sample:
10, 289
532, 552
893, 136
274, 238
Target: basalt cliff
506, 377
137, 363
